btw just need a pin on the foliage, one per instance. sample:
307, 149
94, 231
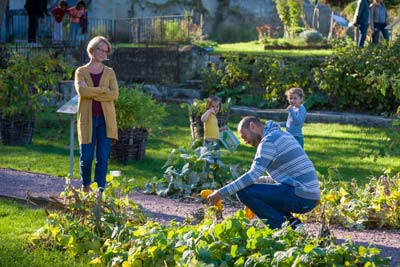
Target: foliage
91, 221
198, 107
169, 30
266, 78
136, 109
364, 80
311, 36
185, 174
27, 79
290, 12
374, 205
234, 241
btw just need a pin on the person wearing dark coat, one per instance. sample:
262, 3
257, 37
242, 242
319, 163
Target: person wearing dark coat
361, 20
36, 9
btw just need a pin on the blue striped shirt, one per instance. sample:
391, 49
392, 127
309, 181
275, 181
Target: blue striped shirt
281, 157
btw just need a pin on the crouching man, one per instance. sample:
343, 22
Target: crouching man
294, 187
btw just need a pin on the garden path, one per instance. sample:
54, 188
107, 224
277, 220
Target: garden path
15, 184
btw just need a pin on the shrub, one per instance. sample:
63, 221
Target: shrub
311, 37
365, 80
136, 109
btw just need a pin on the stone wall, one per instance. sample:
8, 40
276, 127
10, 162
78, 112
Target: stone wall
158, 65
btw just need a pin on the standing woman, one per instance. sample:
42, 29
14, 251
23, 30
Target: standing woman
379, 18
97, 88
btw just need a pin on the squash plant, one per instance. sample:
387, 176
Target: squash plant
374, 205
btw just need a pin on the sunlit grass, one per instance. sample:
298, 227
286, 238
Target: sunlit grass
256, 48
330, 146
17, 223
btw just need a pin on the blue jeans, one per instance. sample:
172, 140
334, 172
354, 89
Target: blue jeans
380, 27
75, 30
103, 147
363, 28
212, 146
274, 203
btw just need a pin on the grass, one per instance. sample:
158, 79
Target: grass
17, 222
255, 48
330, 146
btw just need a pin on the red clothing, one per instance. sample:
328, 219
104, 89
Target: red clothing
58, 13
97, 110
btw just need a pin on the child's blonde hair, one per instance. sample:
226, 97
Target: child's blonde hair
295, 91
211, 99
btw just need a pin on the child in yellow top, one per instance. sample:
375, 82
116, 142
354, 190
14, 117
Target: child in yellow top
211, 131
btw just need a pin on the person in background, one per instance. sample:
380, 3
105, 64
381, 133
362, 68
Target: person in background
379, 18
75, 13
36, 9
97, 89
295, 187
296, 114
58, 13
211, 131
361, 20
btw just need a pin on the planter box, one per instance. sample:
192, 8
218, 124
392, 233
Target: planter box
17, 131
131, 145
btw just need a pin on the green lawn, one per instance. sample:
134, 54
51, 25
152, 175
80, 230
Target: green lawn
17, 222
258, 49
330, 146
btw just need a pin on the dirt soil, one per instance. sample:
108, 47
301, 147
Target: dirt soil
15, 184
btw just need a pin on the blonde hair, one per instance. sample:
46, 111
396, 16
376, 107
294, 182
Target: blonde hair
295, 91
95, 42
211, 99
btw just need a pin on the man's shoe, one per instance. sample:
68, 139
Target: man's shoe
86, 188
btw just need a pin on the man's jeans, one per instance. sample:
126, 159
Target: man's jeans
274, 203
103, 147
363, 28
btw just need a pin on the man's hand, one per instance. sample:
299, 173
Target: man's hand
214, 197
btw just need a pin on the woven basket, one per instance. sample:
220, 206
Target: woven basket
17, 131
197, 128
131, 145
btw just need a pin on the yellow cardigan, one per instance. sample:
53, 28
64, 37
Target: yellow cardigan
106, 93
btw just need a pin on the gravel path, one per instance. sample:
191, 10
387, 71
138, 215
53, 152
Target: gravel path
16, 183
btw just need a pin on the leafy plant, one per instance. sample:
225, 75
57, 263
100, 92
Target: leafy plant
27, 79
375, 205
362, 79
185, 174
136, 109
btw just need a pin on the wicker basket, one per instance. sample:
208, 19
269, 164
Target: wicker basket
197, 128
17, 131
131, 145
